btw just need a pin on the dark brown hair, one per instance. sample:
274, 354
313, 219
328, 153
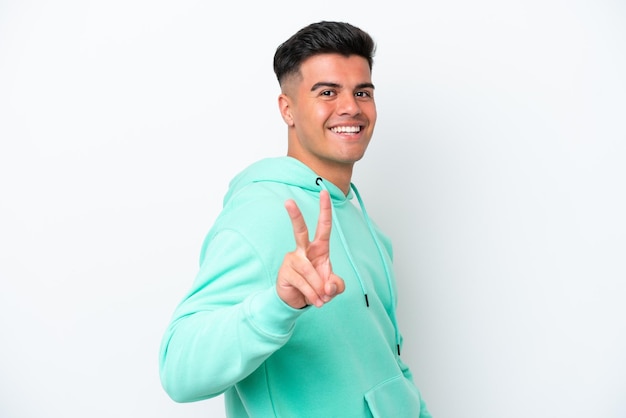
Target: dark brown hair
322, 38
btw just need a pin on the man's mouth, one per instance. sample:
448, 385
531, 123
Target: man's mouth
346, 129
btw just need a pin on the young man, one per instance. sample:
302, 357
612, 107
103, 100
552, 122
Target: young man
284, 322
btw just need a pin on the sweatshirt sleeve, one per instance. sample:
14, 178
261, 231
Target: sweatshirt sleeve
229, 323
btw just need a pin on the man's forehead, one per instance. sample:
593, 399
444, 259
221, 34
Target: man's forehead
328, 69
333, 68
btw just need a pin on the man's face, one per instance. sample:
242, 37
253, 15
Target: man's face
330, 111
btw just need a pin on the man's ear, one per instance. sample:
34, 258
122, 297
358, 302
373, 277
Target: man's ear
284, 105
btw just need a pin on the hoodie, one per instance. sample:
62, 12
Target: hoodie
231, 334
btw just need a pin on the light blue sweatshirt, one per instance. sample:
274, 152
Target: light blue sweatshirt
232, 334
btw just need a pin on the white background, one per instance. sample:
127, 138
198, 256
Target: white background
497, 167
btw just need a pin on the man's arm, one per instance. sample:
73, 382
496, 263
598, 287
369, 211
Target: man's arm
230, 322
239, 312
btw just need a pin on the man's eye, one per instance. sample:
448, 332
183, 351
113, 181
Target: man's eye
363, 94
327, 93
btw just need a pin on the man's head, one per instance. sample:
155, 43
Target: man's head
321, 38
327, 97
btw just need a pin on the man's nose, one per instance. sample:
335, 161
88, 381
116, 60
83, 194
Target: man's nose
348, 105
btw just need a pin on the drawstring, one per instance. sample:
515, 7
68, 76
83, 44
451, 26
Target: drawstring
383, 260
319, 181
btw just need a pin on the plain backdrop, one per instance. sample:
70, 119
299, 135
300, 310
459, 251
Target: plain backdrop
497, 168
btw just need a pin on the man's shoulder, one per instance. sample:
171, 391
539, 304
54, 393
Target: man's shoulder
255, 206
258, 195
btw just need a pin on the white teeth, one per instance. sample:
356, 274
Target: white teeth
346, 129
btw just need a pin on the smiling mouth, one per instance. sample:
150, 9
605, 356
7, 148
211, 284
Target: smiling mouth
346, 129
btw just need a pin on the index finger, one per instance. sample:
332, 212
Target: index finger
300, 230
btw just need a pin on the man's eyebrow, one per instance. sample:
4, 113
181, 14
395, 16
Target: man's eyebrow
365, 86
321, 84
335, 85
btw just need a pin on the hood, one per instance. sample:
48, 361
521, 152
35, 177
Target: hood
285, 170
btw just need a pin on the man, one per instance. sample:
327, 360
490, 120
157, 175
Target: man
283, 322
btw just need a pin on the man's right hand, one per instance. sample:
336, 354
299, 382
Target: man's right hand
306, 276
